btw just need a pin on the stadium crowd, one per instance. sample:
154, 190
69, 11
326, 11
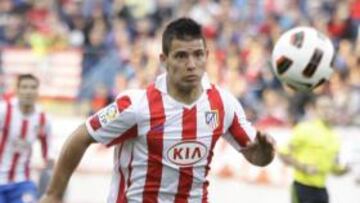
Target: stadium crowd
119, 41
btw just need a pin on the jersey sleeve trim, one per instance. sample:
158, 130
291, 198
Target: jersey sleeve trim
90, 129
109, 114
238, 132
130, 133
94, 123
115, 123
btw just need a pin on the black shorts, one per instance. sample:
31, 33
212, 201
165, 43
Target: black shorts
307, 194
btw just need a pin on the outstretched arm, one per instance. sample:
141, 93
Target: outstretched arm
291, 161
261, 151
256, 147
70, 156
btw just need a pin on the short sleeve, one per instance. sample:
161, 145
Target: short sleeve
240, 131
116, 122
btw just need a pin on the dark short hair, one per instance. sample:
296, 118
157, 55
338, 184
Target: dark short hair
22, 77
182, 29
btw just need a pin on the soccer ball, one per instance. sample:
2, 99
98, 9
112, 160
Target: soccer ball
302, 58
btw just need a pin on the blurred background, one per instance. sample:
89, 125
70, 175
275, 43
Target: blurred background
87, 51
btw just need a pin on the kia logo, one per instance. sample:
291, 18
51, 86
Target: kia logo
186, 153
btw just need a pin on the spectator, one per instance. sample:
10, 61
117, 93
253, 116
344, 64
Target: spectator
240, 32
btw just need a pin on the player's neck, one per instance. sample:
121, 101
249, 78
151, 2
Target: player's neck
185, 96
26, 109
326, 122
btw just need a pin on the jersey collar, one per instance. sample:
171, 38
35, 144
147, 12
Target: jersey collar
15, 102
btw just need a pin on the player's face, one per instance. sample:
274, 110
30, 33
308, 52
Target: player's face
27, 91
185, 63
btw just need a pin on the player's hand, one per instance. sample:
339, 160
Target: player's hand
339, 170
49, 199
309, 169
261, 151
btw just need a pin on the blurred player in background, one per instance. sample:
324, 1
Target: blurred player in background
313, 153
22, 122
165, 135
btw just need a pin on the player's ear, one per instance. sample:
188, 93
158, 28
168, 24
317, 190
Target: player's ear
162, 57
163, 60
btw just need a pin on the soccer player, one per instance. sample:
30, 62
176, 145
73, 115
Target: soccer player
165, 134
313, 153
22, 122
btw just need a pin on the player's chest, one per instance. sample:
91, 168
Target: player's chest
322, 141
24, 128
181, 123
185, 135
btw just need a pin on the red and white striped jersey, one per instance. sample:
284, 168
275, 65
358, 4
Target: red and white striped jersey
17, 134
164, 147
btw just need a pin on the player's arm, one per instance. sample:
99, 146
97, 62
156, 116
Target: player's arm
297, 143
257, 148
113, 124
339, 168
47, 151
70, 156
286, 155
45, 138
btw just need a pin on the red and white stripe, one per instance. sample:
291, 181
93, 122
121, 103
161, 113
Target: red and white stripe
5, 128
19, 133
163, 147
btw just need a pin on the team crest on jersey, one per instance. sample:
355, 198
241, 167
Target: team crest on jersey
108, 114
212, 118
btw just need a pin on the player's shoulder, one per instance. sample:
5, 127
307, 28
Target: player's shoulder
42, 114
224, 93
305, 127
302, 124
131, 92
2, 101
3, 104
